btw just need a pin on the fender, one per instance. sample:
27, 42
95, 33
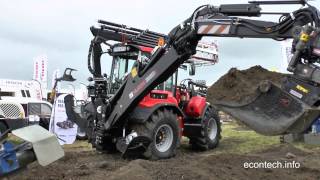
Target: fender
142, 114
196, 107
193, 125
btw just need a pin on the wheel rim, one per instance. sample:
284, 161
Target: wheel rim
212, 129
164, 138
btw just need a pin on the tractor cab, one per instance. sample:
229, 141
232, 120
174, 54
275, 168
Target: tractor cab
186, 95
124, 57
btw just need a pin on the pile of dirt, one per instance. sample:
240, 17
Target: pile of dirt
134, 170
240, 85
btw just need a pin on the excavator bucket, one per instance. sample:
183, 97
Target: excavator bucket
272, 111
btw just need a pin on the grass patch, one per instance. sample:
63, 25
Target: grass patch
14, 139
307, 147
243, 141
78, 144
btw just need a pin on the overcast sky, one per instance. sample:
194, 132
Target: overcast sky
60, 29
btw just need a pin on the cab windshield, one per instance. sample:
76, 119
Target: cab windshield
122, 65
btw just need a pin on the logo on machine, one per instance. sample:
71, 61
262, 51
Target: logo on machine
134, 72
150, 76
302, 89
142, 84
295, 93
316, 51
284, 102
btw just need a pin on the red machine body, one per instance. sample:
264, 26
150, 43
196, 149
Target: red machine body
195, 106
156, 97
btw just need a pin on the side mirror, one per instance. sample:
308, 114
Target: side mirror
192, 69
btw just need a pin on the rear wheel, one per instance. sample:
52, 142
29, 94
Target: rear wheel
163, 129
210, 134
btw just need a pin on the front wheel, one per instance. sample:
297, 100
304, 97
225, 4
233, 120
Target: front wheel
210, 133
163, 129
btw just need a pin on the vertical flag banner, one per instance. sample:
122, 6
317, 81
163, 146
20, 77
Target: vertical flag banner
55, 75
36, 67
40, 71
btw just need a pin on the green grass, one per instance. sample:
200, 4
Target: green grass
307, 147
80, 145
14, 139
244, 141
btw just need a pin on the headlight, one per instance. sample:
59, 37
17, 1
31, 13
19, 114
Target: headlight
99, 109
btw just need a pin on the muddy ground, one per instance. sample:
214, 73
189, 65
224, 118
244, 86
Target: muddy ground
88, 164
221, 163
239, 85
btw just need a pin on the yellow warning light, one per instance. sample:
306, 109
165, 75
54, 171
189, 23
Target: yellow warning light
134, 72
304, 37
161, 41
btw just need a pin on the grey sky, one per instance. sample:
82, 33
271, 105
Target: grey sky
60, 29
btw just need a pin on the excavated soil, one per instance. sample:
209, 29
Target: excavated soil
186, 165
240, 85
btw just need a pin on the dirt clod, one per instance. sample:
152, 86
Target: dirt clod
239, 85
289, 155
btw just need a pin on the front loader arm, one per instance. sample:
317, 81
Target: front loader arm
220, 21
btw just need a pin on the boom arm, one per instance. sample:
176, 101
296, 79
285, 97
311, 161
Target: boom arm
223, 21
123, 33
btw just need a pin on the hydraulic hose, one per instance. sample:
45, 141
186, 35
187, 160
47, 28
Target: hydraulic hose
91, 70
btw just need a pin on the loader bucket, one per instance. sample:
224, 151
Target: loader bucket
272, 111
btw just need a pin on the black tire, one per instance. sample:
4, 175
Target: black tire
159, 121
204, 142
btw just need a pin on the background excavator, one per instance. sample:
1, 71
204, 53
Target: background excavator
275, 110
